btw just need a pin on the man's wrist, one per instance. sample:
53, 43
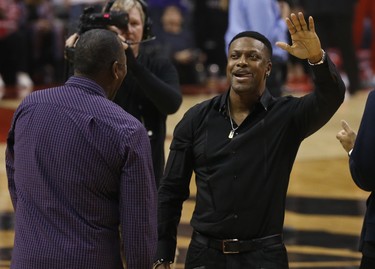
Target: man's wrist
322, 60
160, 262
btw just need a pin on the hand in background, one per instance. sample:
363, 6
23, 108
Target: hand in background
346, 136
71, 40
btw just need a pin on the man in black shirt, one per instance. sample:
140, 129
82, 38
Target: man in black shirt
241, 146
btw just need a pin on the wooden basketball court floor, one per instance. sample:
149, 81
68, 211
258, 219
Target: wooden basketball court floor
324, 207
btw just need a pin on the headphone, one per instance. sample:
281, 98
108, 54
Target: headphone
147, 31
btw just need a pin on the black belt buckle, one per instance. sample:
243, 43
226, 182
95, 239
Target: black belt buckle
226, 246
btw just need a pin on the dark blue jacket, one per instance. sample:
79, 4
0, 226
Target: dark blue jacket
362, 166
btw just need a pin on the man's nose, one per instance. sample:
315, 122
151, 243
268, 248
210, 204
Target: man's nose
242, 60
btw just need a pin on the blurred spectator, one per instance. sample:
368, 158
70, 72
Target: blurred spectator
157, 7
61, 9
364, 27
47, 36
299, 76
176, 42
13, 48
210, 21
263, 16
334, 25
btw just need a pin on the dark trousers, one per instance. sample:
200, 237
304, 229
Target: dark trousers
14, 56
368, 258
335, 30
201, 257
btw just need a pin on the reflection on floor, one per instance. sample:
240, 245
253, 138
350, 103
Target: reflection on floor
324, 207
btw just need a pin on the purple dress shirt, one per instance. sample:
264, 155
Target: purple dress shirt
79, 169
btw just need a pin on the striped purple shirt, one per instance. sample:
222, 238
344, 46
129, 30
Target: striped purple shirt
80, 170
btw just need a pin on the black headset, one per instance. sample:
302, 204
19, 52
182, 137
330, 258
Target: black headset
147, 31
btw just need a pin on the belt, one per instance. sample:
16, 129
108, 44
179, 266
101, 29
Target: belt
232, 246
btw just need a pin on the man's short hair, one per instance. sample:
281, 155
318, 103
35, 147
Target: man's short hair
255, 35
96, 50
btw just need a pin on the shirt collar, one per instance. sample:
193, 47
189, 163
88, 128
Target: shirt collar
265, 101
86, 83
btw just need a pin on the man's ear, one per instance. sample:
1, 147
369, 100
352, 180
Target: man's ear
115, 70
268, 70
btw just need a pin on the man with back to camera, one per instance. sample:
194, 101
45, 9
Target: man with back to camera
241, 146
80, 170
361, 152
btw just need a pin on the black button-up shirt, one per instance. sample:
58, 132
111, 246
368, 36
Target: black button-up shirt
241, 182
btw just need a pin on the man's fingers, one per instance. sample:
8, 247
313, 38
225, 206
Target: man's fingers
284, 46
302, 21
291, 28
341, 134
295, 21
345, 126
311, 24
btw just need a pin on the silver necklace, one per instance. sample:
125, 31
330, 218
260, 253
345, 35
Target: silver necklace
231, 133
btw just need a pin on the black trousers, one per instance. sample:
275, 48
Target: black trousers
200, 256
335, 31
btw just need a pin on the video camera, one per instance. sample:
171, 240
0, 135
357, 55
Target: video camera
90, 20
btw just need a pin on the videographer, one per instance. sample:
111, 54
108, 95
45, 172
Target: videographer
150, 91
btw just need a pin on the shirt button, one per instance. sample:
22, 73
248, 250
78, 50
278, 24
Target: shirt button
235, 177
235, 216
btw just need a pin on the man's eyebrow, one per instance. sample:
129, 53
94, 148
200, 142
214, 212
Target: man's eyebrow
246, 51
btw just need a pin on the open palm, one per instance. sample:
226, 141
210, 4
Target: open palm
305, 41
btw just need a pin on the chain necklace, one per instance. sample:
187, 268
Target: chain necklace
231, 133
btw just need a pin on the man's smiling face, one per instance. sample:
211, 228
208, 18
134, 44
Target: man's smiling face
248, 65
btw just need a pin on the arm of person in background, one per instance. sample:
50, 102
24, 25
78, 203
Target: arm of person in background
163, 90
362, 158
285, 8
71, 41
263, 16
248, 14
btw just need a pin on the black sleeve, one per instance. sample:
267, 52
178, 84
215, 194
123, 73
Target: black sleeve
162, 88
362, 158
